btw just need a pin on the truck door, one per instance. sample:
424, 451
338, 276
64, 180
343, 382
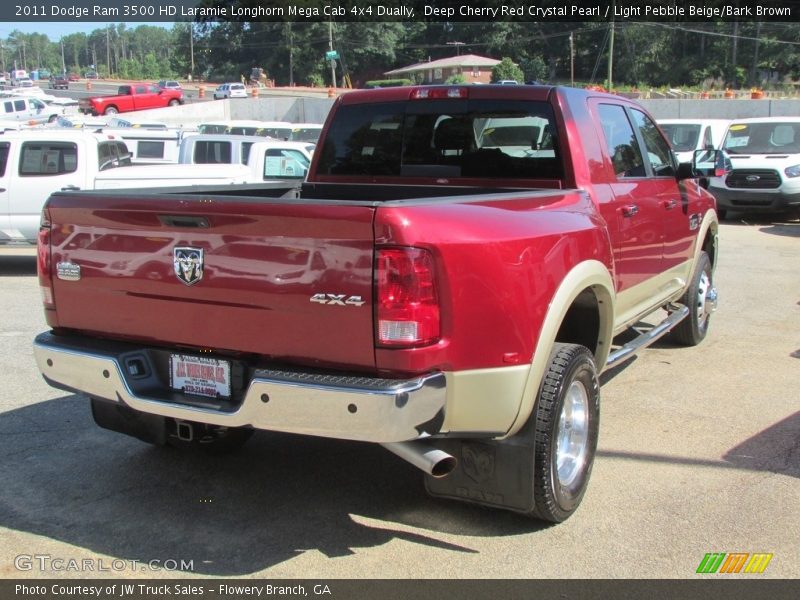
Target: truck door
147, 96
672, 200
635, 209
5, 221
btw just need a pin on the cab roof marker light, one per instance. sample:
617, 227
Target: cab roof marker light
435, 93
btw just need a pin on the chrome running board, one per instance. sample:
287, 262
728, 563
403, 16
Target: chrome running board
648, 337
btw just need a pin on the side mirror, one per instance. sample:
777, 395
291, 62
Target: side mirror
706, 163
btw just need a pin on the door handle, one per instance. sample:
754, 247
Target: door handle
629, 210
670, 204
70, 188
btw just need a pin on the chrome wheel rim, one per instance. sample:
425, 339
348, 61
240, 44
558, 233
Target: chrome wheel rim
704, 308
573, 434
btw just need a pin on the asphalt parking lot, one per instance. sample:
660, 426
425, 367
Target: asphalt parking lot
699, 452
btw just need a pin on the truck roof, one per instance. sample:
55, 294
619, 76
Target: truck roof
32, 135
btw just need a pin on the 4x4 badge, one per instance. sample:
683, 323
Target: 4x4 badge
188, 264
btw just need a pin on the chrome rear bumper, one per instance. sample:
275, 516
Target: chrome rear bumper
352, 408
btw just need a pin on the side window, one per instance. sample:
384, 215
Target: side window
19, 105
212, 152
284, 163
621, 141
9, 107
48, 158
141, 89
150, 149
123, 154
658, 151
246, 152
4, 147
708, 143
104, 156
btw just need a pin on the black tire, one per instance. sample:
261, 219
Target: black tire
565, 425
111, 110
721, 214
693, 329
52, 119
173, 102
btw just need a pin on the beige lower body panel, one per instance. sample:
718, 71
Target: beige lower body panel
484, 400
642, 299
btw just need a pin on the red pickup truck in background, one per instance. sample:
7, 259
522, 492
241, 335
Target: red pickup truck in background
130, 97
448, 283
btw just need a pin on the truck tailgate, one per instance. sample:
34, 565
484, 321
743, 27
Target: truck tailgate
218, 273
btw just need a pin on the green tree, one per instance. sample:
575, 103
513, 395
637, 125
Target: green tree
506, 69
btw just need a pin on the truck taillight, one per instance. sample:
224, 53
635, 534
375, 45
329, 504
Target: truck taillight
407, 301
43, 261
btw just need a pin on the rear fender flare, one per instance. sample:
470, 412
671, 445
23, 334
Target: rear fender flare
589, 274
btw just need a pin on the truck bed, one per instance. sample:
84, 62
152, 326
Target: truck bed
264, 259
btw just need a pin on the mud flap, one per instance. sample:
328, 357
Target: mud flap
117, 417
492, 473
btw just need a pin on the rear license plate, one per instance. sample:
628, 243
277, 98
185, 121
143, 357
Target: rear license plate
200, 375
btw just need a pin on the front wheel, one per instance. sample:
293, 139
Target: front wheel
701, 298
565, 426
111, 110
173, 102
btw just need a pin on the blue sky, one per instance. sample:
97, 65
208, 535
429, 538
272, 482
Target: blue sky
55, 31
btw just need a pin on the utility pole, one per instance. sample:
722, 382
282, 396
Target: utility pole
457, 45
108, 50
191, 49
291, 55
330, 47
571, 60
611, 58
63, 62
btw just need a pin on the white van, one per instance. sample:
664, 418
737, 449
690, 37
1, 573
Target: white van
216, 148
765, 155
268, 160
688, 135
28, 110
20, 78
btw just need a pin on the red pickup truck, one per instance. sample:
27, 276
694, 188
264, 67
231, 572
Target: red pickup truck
448, 283
130, 97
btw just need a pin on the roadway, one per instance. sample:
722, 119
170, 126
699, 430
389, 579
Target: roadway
699, 452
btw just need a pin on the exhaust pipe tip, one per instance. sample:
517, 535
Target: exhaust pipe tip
444, 467
436, 463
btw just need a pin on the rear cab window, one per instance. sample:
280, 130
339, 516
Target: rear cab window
474, 138
48, 158
212, 152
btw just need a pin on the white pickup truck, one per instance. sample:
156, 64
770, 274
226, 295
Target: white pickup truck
34, 164
268, 160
